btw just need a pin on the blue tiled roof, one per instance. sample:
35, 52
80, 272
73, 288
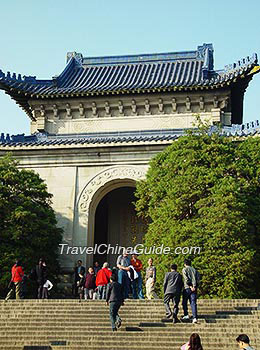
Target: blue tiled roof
91, 138
142, 136
128, 74
247, 129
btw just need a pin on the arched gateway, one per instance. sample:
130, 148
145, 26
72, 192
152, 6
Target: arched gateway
108, 180
96, 126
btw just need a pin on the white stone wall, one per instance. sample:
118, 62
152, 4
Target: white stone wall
79, 177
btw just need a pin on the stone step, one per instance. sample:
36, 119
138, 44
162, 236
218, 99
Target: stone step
125, 314
104, 316
127, 318
107, 326
141, 336
232, 302
206, 327
116, 339
118, 345
90, 320
148, 327
86, 324
132, 302
87, 306
71, 347
124, 309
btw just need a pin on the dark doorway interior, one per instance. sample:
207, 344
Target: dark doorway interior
116, 223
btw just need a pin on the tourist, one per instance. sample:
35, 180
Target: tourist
137, 283
79, 269
114, 299
41, 276
90, 284
81, 285
191, 279
123, 264
96, 267
150, 279
16, 281
243, 342
115, 272
172, 288
46, 288
102, 280
24, 288
193, 344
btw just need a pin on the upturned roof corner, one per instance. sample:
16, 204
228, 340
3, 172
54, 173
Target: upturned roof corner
158, 72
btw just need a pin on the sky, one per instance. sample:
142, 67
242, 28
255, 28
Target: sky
36, 36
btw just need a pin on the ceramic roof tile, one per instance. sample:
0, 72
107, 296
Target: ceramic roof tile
133, 73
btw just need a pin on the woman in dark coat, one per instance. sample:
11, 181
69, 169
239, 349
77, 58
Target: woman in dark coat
41, 276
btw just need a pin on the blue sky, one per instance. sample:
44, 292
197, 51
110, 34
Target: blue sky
36, 35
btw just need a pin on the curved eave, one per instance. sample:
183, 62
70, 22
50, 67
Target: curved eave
22, 96
137, 90
22, 100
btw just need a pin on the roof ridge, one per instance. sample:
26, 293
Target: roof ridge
145, 57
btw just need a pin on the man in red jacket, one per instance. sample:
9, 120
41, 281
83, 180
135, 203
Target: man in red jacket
102, 280
17, 276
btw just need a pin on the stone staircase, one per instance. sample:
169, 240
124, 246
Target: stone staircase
70, 325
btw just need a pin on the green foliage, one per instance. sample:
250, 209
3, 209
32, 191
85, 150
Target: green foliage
204, 191
27, 222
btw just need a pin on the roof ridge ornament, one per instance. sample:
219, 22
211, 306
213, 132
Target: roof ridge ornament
76, 55
29, 78
242, 63
205, 52
18, 77
201, 50
41, 136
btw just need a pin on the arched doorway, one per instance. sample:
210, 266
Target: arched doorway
94, 191
116, 224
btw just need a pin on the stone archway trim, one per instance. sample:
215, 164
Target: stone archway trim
130, 172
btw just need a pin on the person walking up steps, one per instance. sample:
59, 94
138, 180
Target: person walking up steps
172, 291
191, 280
16, 281
115, 299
